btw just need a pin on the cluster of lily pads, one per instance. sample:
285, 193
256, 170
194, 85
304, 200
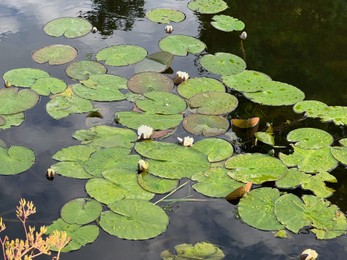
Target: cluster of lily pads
108, 156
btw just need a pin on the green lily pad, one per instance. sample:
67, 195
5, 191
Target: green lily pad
257, 168
81, 70
194, 86
81, 211
172, 161
157, 62
12, 120
70, 27
103, 87
181, 45
266, 138
213, 103
328, 221
223, 63
337, 114
46, 86
201, 250
134, 220
256, 208
155, 184
80, 235
14, 101
106, 136
206, 125
207, 6
161, 103
56, 54
2, 121
227, 23
215, 183
121, 55
312, 161
164, 15
340, 152
216, 149
150, 81
310, 138
24, 77
104, 190
311, 108
15, 159
158, 122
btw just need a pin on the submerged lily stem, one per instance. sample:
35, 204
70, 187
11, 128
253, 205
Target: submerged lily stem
172, 192
243, 51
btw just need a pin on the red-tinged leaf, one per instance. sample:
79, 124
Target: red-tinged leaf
136, 109
162, 133
239, 192
245, 123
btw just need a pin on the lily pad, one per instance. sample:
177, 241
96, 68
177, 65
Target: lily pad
106, 136
310, 138
2, 121
266, 138
216, 149
312, 108
56, 54
81, 211
157, 62
207, 6
24, 77
46, 86
213, 103
15, 159
161, 103
194, 86
121, 55
256, 208
104, 190
201, 250
134, 219
215, 183
337, 114
70, 27
340, 152
181, 45
150, 81
257, 168
227, 23
328, 221
12, 120
81, 70
206, 125
155, 184
223, 63
14, 101
158, 122
164, 15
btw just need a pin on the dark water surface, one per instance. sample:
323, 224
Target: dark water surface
299, 42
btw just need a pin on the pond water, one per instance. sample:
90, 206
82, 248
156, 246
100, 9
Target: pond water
297, 42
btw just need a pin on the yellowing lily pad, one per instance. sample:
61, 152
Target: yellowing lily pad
310, 138
206, 125
70, 27
14, 101
223, 63
121, 55
164, 15
181, 45
194, 86
15, 159
46, 86
150, 81
207, 6
56, 54
81, 70
24, 77
216, 149
227, 23
81, 211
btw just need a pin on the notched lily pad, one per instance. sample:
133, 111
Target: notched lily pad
310, 138
227, 23
81, 211
206, 125
181, 45
223, 63
216, 149
207, 6
14, 100
70, 27
200, 250
56, 54
15, 159
24, 77
121, 55
150, 81
81, 70
46, 86
194, 86
164, 15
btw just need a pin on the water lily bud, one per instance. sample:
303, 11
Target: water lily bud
180, 77
144, 132
7, 84
186, 141
308, 254
94, 30
243, 35
169, 29
142, 165
50, 174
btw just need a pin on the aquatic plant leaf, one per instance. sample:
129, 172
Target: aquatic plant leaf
106, 136
164, 15
134, 219
104, 190
326, 218
266, 138
207, 6
81, 211
70, 27
239, 192
216, 149
72, 169
311, 108
223, 63
2, 121
337, 114
311, 161
12, 120
150, 81
81, 70
181, 45
256, 208
155, 184
256, 167
339, 153
310, 138
245, 123
24, 77
215, 182
207, 125
227, 23
46, 86
121, 55
161, 103
14, 101
194, 86
213, 103
172, 161
158, 122
157, 62
15, 159
56, 54
200, 250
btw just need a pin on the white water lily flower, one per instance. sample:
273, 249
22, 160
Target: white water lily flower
186, 141
50, 174
308, 254
243, 35
144, 132
183, 75
169, 29
142, 165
